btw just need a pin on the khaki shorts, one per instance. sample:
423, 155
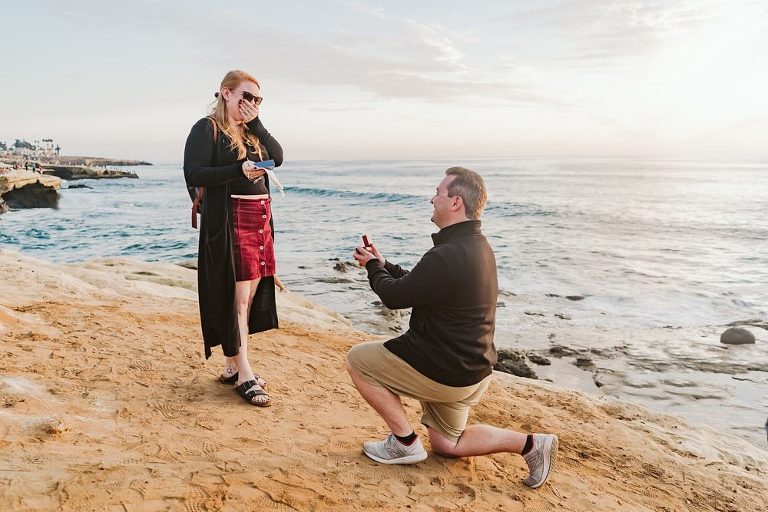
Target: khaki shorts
445, 408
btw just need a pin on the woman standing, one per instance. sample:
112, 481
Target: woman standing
236, 259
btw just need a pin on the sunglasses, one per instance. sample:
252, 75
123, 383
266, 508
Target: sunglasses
256, 100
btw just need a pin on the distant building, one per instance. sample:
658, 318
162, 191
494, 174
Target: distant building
45, 147
23, 148
40, 148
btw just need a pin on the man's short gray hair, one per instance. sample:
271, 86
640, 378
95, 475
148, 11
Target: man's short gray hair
470, 187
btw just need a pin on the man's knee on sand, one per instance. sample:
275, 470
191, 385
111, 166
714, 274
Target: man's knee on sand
440, 444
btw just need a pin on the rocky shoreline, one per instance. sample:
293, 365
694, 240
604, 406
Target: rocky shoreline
92, 161
81, 172
27, 189
22, 188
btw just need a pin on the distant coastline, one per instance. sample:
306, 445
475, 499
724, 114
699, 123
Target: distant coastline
93, 161
88, 161
33, 181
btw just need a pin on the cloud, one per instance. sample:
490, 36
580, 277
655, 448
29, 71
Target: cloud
372, 53
599, 35
411, 60
435, 37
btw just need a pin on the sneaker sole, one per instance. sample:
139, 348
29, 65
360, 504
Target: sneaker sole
411, 459
549, 465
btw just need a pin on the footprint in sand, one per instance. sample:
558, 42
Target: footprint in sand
268, 503
466, 490
204, 499
169, 410
205, 449
144, 366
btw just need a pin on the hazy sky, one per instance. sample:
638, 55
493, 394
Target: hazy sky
358, 79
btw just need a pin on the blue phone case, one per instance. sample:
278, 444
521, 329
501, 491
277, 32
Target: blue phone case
266, 164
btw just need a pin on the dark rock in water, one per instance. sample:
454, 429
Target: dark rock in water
754, 323
562, 351
585, 363
35, 195
562, 316
302, 267
569, 297
510, 354
334, 280
540, 360
79, 185
344, 266
376, 303
533, 313
737, 323
597, 381
518, 368
500, 304
737, 336
393, 315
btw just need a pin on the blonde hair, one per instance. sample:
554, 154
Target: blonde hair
470, 187
219, 114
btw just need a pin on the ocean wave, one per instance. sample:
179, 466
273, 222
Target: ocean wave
350, 194
501, 209
39, 234
507, 209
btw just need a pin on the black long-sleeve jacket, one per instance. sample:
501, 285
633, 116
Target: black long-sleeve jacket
453, 292
214, 165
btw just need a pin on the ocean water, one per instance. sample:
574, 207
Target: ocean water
665, 255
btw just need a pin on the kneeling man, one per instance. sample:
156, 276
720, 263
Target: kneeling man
445, 359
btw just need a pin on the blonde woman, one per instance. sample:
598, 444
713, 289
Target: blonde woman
236, 259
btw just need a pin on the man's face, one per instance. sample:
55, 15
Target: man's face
441, 203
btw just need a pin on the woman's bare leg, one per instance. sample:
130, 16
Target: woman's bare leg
231, 363
243, 299
244, 293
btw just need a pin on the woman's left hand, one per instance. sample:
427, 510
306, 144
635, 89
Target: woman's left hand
249, 111
251, 171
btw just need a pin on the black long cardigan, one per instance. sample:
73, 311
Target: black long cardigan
213, 165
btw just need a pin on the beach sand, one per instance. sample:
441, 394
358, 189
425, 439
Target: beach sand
107, 403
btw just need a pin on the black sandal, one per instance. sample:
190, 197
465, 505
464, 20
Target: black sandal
233, 379
249, 390
228, 380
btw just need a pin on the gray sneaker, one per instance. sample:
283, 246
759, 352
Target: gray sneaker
392, 451
541, 459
